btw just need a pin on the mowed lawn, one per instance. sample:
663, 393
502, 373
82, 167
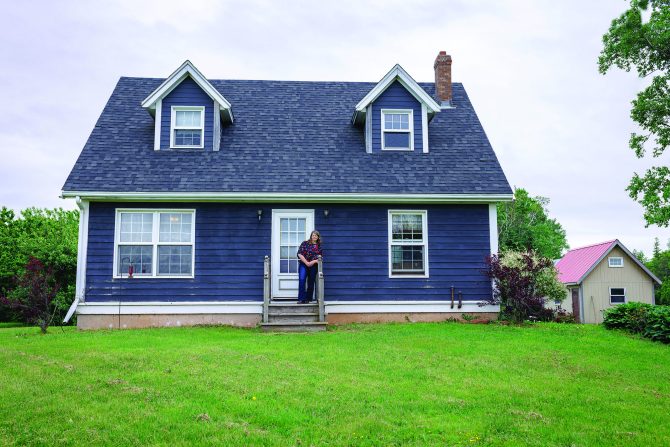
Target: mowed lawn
400, 384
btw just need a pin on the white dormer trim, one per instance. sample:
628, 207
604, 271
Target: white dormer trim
399, 74
172, 81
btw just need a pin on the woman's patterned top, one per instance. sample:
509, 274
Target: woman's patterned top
310, 251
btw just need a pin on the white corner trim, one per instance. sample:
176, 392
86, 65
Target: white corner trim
346, 307
256, 197
169, 307
172, 81
82, 248
157, 119
424, 128
397, 72
216, 143
368, 130
493, 228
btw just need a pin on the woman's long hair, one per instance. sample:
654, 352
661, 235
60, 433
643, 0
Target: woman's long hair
318, 238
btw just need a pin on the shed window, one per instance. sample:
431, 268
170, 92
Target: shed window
615, 262
154, 243
617, 295
408, 243
187, 127
397, 130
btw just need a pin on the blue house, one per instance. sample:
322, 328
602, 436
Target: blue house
195, 193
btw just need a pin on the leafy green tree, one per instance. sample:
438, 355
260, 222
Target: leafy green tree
660, 266
640, 39
523, 225
49, 236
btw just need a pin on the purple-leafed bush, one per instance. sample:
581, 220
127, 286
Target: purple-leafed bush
523, 281
33, 294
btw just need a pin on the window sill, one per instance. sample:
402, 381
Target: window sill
134, 278
400, 276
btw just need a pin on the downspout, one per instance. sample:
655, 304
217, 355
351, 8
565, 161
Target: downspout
80, 287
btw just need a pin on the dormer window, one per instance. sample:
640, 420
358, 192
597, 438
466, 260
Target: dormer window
397, 130
187, 127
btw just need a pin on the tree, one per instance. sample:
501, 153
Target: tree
49, 236
633, 42
523, 225
660, 266
524, 282
33, 294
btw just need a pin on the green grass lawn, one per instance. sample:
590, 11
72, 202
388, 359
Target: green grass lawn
410, 384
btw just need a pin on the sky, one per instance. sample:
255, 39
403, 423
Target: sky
559, 128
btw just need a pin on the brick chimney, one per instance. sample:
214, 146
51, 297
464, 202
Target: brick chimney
442, 68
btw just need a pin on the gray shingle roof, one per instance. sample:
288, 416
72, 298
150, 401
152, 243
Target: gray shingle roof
287, 137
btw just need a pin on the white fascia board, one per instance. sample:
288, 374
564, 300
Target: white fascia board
349, 307
172, 81
397, 72
256, 197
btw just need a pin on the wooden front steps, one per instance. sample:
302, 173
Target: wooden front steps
287, 316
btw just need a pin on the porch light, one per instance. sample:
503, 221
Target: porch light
326, 212
260, 213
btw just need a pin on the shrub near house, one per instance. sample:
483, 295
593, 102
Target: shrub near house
640, 318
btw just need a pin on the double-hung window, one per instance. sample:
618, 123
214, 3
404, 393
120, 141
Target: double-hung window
408, 243
617, 295
154, 243
187, 127
397, 130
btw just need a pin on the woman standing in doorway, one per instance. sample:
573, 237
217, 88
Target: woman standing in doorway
308, 253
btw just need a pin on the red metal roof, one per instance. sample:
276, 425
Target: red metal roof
574, 265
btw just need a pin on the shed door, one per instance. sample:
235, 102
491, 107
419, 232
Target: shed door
289, 229
575, 305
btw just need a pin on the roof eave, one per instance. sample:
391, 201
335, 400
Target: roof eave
255, 197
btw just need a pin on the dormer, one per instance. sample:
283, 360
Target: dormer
188, 111
395, 114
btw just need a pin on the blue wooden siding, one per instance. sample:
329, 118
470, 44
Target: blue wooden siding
396, 97
188, 93
231, 244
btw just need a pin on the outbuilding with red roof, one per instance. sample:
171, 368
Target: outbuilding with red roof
603, 275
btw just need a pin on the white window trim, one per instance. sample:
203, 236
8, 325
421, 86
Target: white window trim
411, 129
624, 295
173, 126
609, 262
155, 242
424, 243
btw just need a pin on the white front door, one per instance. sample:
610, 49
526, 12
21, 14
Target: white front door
289, 229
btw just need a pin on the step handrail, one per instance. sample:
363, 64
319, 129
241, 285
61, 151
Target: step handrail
267, 288
319, 291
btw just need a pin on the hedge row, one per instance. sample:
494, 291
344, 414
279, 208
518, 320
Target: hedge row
640, 318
